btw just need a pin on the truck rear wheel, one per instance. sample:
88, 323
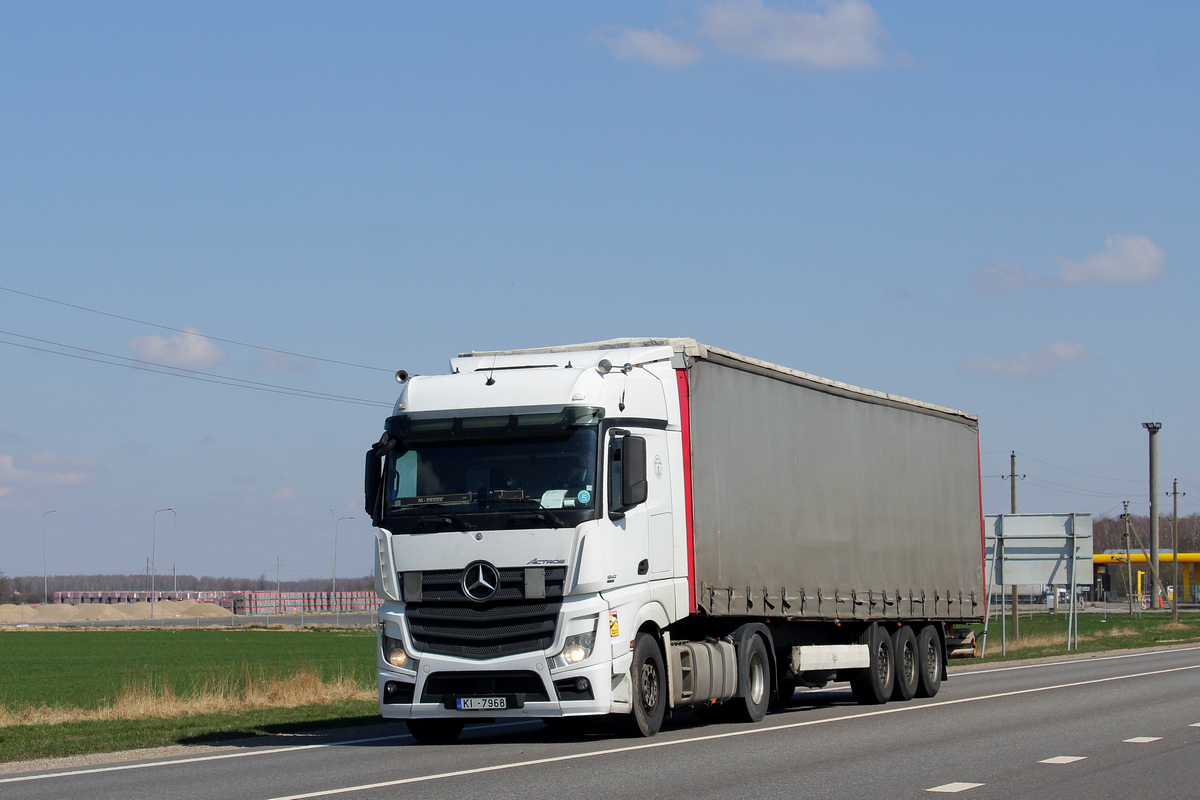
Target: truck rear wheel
873, 685
649, 686
753, 707
929, 661
435, 731
908, 672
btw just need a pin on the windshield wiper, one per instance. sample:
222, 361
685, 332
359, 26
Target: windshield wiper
449, 518
544, 515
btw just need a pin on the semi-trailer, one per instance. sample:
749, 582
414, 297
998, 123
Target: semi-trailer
636, 527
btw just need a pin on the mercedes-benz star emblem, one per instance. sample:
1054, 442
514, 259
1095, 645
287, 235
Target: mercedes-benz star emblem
480, 580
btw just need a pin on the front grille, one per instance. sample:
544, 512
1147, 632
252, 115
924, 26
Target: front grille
445, 585
441, 687
446, 622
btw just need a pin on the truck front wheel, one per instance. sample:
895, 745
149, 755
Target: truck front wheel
649, 686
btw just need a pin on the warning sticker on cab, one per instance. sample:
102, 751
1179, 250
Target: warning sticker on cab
613, 630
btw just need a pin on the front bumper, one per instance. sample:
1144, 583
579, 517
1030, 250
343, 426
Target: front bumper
434, 672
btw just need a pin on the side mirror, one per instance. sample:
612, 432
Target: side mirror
633, 475
371, 482
373, 477
627, 473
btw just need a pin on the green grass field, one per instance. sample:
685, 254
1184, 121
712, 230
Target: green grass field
87, 668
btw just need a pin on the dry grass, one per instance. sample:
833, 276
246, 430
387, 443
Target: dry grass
1053, 639
251, 691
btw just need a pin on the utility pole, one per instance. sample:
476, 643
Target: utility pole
1012, 491
1175, 546
1128, 559
1155, 587
277, 596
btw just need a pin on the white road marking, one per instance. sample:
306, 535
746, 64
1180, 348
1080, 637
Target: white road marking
713, 736
1068, 662
1142, 739
1062, 760
222, 756
954, 787
1194, 725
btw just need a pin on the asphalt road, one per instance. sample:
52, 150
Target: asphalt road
1115, 726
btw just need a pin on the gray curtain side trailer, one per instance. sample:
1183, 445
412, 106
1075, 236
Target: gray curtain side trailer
826, 516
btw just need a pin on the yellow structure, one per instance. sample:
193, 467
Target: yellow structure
1187, 567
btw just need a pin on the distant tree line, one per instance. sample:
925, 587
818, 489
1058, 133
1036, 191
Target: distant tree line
1108, 533
28, 588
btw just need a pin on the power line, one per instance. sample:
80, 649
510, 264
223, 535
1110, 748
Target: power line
1042, 483
191, 333
180, 372
1084, 474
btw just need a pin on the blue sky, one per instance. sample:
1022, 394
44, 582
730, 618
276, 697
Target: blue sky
989, 206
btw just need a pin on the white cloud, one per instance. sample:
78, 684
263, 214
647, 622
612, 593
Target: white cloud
655, 46
45, 469
834, 34
837, 34
188, 349
998, 277
283, 495
274, 361
1041, 363
1124, 259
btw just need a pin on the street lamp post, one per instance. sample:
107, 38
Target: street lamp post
45, 574
153, 543
174, 550
333, 597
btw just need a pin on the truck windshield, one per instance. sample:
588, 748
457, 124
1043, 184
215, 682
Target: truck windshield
491, 473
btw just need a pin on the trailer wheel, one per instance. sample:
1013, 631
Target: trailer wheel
929, 661
649, 687
908, 667
435, 731
873, 685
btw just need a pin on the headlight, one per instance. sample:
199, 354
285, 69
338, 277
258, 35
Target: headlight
395, 654
577, 648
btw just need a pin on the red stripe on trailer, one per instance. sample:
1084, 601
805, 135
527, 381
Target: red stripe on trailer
987, 582
685, 423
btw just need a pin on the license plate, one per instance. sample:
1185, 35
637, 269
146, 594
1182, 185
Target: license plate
482, 703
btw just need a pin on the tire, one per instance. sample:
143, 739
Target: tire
929, 662
649, 687
873, 686
908, 672
753, 707
435, 731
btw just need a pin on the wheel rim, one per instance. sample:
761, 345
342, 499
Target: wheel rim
649, 686
931, 661
758, 678
884, 664
909, 664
